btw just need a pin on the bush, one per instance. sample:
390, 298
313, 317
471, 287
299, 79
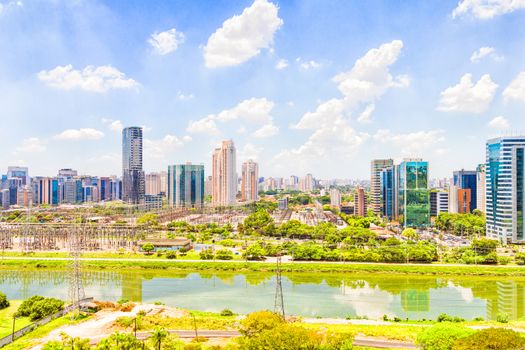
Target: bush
227, 312
503, 260
520, 258
502, 318
24, 309
224, 254
4, 303
492, 338
442, 336
171, 254
259, 321
206, 254
148, 248
45, 307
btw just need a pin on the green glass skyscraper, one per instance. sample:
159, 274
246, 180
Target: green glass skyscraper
413, 193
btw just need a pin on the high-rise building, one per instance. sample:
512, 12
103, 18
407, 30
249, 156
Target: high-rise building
464, 183
438, 202
376, 166
186, 185
67, 173
250, 181
413, 193
19, 172
133, 182
25, 196
208, 180
481, 188
224, 174
46, 190
163, 183
72, 191
505, 177
388, 192
335, 198
116, 189
360, 202
153, 184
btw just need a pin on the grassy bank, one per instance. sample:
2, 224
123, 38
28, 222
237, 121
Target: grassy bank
6, 319
180, 265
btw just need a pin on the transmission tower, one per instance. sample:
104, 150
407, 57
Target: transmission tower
76, 287
279, 299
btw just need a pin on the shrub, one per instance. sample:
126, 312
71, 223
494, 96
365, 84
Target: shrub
492, 338
502, 318
148, 248
224, 254
444, 318
45, 307
3, 301
206, 254
227, 312
171, 254
503, 260
259, 321
53, 345
25, 308
520, 258
442, 336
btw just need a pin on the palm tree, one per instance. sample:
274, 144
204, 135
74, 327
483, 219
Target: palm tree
158, 335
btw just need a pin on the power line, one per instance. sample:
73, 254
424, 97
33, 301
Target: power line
279, 299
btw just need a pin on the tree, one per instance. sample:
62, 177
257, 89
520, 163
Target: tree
206, 254
148, 219
260, 223
224, 254
148, 247
45, 307
4, 303
258, 321
158, 336
25, 308
492, 338
410, 234
254, 252
120, 341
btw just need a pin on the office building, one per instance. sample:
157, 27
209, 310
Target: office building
335, 198
90, 194
376, 166
208, 186
133, 182
282, 203
186, 186
388, 192
413, 193
464, 188
505, 176
438, 202
46, 190
67, 173
360, 202
481, 188
163, 183
250, 181
224, 174
4, 199
153, 184
25, 197
19, 172
72, 191
116, 189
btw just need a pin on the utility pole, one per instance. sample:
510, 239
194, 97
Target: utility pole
279, 299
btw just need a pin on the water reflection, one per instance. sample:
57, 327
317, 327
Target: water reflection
327, 295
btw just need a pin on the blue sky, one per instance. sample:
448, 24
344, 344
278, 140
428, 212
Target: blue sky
301, 86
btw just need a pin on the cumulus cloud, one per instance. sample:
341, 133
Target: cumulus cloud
184, 97
265, 131
254, 110
467, 96
483, 52
249, 151
366, 115
516, 89
165, 42
308, 64
281, 64
159, 148
486, 9
242, 37
32, 145
323, 115
115, 125
95, 79
411, 144
499, 122
80, 134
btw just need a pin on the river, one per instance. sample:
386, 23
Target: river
305, 294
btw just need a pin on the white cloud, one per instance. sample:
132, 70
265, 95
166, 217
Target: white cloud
242, 37
265, 131
411, 144
80, 134
95, 79
486, 9
499, 122
159, 148
166, 42
516, 89
468, 97
32, 145
281, 64
370, 77
184, 97
254, 110
4, 7
323, 115
366, 115
249, 151
485, 51
307, 65
115, 125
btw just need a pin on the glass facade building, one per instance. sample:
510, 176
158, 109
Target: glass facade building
186, 185
465, 183
413, 193
133, 179
505, 188
387, 192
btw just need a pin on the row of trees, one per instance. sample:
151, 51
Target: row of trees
462, 224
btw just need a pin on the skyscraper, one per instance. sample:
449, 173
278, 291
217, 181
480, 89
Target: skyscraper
388, 192
481, 188
376, 166
19, 172
505, 176
250, 181
360, 202
153, 183
464, 185
335, 198
413, 193
133, 184
186, 185
224, 174
438, 202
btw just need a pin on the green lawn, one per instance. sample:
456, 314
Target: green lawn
6, 319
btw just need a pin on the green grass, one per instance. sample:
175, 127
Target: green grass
431, 270
391, 332
6, 319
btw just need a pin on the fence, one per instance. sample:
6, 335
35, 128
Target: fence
10, 338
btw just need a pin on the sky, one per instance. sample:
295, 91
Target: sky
306, 86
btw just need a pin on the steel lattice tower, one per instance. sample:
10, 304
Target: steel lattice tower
279, 299
76, 286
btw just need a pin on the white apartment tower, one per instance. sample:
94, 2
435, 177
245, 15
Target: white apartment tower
250, 179
224, 174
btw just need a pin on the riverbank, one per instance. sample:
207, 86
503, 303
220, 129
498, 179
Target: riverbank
9, 262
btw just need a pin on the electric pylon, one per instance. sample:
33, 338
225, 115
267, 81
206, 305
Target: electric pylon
279, 299
76, 286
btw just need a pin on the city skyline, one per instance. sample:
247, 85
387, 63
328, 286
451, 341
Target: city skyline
302, 98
